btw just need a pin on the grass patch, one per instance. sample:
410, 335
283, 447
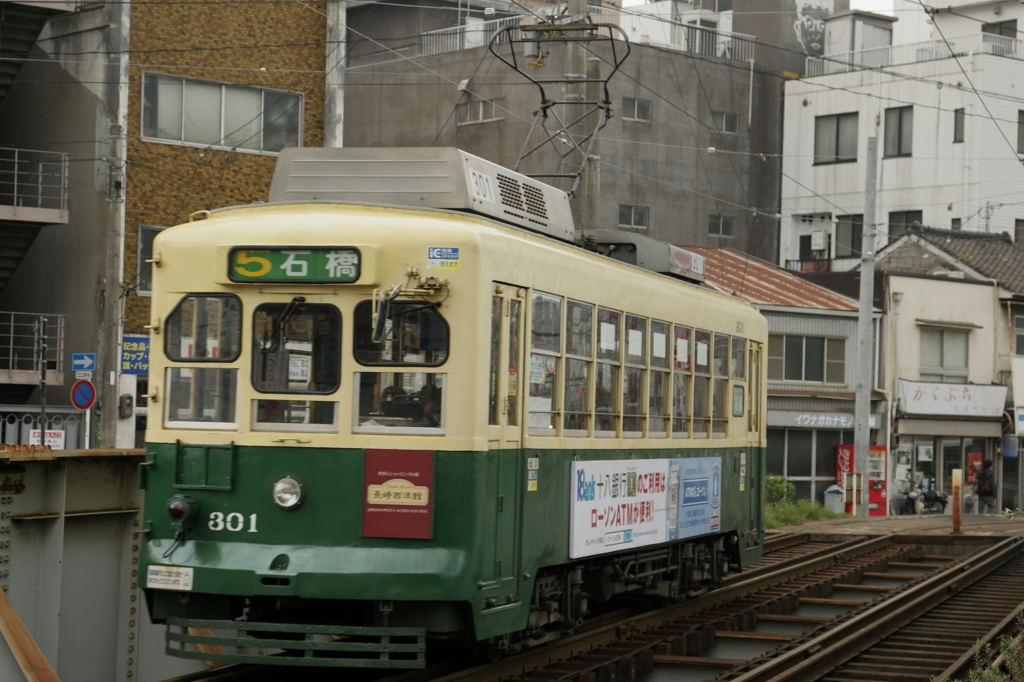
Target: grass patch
782, 510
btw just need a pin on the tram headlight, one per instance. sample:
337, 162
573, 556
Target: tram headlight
181, 509
288, 493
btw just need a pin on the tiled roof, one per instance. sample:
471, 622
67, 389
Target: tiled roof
762, 283
992, 255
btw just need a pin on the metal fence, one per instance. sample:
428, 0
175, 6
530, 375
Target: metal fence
33, 179
18, 421
20, 341
911, 53
465, 37
645, 30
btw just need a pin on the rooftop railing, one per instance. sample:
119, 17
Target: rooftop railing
912, 53
645, 30
20, 344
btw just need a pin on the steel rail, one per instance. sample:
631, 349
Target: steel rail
812, 659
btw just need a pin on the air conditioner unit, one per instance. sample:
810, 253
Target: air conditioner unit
819, 240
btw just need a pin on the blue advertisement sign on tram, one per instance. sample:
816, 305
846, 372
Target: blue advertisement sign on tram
700, 495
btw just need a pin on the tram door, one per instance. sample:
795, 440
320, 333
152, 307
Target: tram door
505, 462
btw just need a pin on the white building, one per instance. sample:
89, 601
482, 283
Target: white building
942, 160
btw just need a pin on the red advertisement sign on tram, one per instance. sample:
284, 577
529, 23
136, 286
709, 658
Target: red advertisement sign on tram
398, 499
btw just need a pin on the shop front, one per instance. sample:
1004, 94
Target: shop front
944, 427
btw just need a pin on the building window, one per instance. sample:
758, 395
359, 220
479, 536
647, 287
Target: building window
835, 138
214, 114
806, 358
849, 230
806, 457
723, 5
481, 111
1020, 132
637, 217
721, 225
1018, 231
956, 224
1001, 28
944, 355
901, 221
144, 278
899, 131
635, 109
725, 122
958, 125
1018, 335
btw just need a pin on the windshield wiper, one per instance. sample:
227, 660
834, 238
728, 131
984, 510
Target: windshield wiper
286, 314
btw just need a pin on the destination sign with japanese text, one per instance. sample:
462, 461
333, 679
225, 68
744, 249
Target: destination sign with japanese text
319, 265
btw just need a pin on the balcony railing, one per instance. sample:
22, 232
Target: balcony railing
465, 37
20, 343
645, 30
911, 53
33, 185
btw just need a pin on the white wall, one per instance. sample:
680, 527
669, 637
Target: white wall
932, 179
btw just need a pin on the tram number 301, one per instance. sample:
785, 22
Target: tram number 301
233, 522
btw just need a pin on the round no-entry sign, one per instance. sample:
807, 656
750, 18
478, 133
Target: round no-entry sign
83, 394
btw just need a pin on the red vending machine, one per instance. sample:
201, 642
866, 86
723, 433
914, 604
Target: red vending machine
875, 480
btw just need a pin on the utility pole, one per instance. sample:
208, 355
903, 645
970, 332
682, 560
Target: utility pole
575, 70
41, 325
865, 332
591, 204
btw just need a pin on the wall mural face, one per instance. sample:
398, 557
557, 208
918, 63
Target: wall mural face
809, 25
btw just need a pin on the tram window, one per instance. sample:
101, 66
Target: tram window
515, 376
701, 383
579, 350
658, 393
205, 328
682, 352
201, 397
400, 402
547, 323
546, 343
633, 376
415, 333
719, 388
739, 354
296, 348
606, 377
495, 372
294, 415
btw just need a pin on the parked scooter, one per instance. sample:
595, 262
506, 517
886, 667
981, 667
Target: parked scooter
932, 501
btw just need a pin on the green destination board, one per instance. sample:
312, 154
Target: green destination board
320, 265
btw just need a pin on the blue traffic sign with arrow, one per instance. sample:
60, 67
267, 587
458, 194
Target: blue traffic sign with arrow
83, 362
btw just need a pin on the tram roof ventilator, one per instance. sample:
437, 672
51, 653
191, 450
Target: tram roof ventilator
422, 177
447, 178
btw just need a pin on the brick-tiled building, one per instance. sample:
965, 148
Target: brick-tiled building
164, 108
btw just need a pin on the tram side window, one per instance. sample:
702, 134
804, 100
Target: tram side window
606, 379
658, 403
701, 383
579, 362
633, 376
546, 346
296, 348
415, 333
719, 389
682, 371
400, 402
204, 328
201, 397
739, 373
493, 395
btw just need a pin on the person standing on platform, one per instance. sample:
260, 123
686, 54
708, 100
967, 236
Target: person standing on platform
986, 488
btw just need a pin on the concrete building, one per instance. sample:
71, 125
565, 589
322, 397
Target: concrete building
693, 81
948, 143
812, 341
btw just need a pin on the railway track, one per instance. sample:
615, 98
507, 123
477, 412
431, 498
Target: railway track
852, 606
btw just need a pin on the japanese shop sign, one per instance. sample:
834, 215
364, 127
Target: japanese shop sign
952, 400
624, 504
398, 489
134, 354
298, 264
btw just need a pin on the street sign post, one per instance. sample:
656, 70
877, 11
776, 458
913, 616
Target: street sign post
83, 394
83, 362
